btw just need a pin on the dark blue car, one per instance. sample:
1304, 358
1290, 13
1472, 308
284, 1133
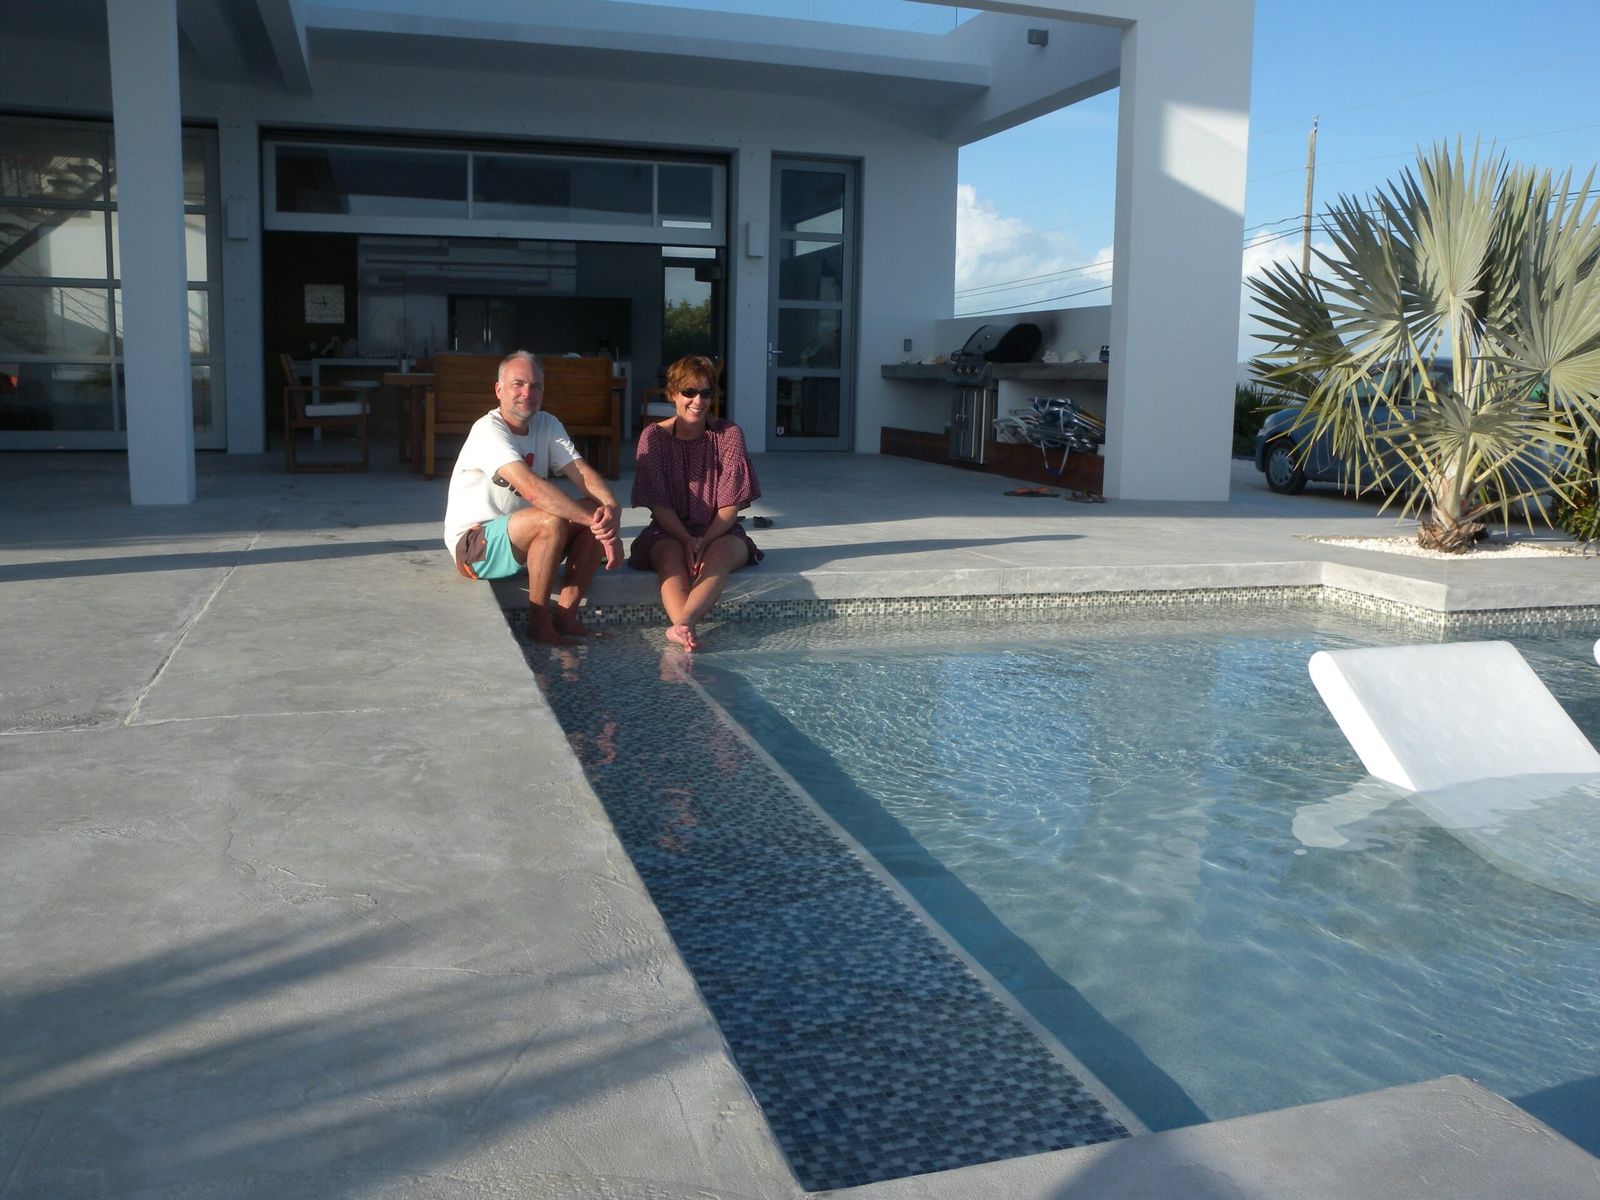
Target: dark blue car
1289, 464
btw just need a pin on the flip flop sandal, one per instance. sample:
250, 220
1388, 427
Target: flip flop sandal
1031, 492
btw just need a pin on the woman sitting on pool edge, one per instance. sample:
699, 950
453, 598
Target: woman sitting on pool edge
693, 475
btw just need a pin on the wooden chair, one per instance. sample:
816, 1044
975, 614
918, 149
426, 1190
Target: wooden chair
463, 390
579, 392
305, 408
584, 396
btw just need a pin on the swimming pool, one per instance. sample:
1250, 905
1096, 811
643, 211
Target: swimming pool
1139, 823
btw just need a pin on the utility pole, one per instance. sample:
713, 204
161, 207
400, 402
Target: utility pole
1311, 177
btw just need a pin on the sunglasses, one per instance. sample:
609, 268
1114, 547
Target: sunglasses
696, 393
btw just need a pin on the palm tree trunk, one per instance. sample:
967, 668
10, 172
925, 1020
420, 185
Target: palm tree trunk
1447, 528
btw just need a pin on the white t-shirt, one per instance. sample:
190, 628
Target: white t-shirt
474, 496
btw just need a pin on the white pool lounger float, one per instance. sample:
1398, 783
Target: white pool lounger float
1482, 746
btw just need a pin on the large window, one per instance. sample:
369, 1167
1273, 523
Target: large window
691, 294
61, 293
411, 189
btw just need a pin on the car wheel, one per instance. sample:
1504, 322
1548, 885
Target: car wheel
1283, 473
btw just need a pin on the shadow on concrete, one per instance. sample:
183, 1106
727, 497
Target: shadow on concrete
70, 501
199, 560
285, 1062
813, 557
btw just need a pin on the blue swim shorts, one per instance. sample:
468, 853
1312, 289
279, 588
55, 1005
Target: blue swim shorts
484, 552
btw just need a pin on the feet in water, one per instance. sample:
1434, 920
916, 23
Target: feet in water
542, 627
567, 623
682, 635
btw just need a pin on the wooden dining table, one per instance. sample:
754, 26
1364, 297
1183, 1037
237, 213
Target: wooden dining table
415, 385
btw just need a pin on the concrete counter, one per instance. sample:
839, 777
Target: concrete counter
1081, 372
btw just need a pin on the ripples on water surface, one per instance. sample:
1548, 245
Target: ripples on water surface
1103, 809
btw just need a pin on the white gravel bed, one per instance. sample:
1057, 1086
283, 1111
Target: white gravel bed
1494, 546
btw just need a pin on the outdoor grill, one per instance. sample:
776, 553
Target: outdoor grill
977, 393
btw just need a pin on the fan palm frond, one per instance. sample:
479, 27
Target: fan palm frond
1489, 266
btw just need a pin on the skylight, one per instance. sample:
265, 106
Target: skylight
910, 16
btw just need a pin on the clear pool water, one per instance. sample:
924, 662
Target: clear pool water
1110, 812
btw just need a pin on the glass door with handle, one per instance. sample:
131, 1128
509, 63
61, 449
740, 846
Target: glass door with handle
811, 311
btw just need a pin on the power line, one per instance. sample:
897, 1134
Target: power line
1027, 279
1320, 221
1046, 300
1516, 137
1024, 281
1299, 123
1036, 232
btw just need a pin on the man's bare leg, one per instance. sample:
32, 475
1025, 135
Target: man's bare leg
540, 540
584, 553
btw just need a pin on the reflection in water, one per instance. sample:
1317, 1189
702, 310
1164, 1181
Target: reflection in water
677, 812
1334, 823
1162, 811
1539, 828
834, 998
675, 666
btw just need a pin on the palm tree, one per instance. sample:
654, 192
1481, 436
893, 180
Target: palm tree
1449, 346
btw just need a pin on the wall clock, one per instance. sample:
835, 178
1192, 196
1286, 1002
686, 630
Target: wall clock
324, 304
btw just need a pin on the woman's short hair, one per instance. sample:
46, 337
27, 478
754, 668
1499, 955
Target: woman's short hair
689, 370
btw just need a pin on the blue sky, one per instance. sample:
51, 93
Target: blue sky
1036, 202
1384, 79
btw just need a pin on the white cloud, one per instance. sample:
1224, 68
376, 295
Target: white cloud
1036, 266
1261, 251
1282, 246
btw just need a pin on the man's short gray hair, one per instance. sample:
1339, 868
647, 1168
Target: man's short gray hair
538, 371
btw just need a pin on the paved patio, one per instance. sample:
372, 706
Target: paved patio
303, 894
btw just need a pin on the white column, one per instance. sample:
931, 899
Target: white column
1182, 132
752, 214
143, 36
248, 390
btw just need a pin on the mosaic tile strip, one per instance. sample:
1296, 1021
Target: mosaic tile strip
874, 1051
1339, 599
894, 606
1359, 603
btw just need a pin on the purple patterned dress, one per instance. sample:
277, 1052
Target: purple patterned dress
693, 479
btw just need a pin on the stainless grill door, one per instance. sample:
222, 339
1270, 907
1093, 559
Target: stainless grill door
972, 422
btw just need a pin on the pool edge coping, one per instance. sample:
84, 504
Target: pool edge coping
1339, 597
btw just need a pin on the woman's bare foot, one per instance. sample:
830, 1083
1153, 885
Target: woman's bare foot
682, 635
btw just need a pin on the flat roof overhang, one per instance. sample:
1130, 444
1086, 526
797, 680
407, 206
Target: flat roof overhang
980, 77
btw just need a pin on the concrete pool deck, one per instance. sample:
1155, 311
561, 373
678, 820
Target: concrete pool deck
304, 894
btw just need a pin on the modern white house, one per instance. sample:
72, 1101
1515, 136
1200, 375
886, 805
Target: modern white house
190, 189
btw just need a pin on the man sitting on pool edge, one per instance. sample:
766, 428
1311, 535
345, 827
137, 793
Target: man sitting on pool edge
504, 515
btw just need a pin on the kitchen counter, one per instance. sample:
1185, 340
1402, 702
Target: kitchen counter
1021, 372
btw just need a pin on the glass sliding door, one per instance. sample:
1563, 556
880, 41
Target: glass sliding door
811, 311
